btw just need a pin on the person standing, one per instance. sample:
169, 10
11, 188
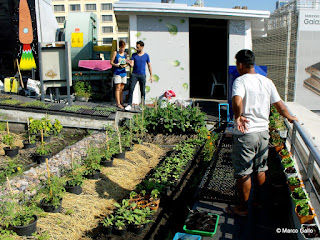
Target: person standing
119, 62
139, 60
252, 95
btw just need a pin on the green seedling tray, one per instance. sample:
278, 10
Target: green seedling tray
203, 233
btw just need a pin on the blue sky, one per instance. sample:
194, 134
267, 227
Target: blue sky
268, 5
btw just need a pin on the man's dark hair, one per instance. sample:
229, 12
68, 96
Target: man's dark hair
246, 57
140, 43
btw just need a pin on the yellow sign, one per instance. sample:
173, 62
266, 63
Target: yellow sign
77, 39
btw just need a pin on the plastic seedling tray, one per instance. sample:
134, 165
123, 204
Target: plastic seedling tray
186, 236
202, 233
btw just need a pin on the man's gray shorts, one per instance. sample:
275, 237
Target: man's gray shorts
250, 153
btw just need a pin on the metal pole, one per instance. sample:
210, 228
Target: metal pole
286, 83
68, 71
293, 140
40, 71
309, 172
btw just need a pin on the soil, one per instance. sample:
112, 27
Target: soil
290, 170
311, 234
201, 221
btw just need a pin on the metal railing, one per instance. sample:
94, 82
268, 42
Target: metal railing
312, 155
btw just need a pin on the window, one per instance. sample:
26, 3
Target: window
58, 8
125, 39
91, 7
123, 29
107, 40
60, 19
74, 7
106, 6
107, 29
106, 18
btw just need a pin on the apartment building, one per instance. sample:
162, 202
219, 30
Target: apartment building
108, 29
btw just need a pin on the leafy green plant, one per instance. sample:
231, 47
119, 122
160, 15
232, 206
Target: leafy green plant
300, 193
75, 176
53, 190
92, 161
82, 89
17, 211
285, 152
304, 209
43, 149
108, 221
57, 127
10, 102
294, 181
6, 234
74, 108
37, 104
155, 193
120, 224
10, 168
8, 139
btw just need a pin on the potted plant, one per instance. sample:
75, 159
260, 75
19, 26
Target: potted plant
284, 153
82, 90
19, 214
92, 164
287, 162
107, 223
53, 190
75, 180
304, 213
299, 196
290, 172
47, 129
310, 231
107, 156
154, 196
12, 150
120, 227
43, 151
134, 197
30, 142
293, 183
139, 221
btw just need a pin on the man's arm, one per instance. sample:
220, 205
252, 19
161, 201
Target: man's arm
150, 71
241, 121
282, 109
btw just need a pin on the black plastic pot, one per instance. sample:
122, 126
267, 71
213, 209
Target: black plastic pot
73, 189
120, 232
46, 139
27, 145
128, 149
96, 175
42, 158
106, 163
120, 155
11, 152
137, 229
26, 230
107, 230
50, 208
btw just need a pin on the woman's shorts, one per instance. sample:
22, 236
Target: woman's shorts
118, 79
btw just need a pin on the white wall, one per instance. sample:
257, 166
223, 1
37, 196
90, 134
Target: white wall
169, 53
240, 37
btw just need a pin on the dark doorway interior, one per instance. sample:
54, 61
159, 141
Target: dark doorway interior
208, 57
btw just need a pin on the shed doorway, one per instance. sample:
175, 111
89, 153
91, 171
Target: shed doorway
208, 58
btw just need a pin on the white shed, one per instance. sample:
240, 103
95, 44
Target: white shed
189, 46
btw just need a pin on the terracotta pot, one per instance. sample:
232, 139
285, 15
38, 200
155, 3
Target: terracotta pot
142, 204
285, 156
292, 188
156, 200
305, 219
153, 206
279, 148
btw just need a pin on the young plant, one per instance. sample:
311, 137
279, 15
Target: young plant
57, 127
300, 193
294, 181
75, 176
46, 126
92, 161
120, 224
8, 139
82, 88
43, 149
287, 160
154, 194
53, 189
304, 209
108, 221
285, 152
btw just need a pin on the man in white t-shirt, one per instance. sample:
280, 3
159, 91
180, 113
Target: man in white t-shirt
252, 95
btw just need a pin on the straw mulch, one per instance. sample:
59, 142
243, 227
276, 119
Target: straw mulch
82, 213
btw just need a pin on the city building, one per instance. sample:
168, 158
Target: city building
290, 50
281, 3
108, 28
